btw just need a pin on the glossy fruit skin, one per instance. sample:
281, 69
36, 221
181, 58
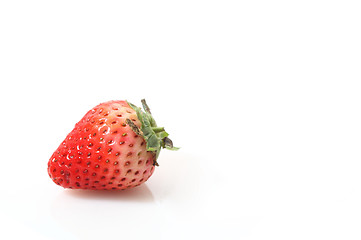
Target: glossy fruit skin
103, 152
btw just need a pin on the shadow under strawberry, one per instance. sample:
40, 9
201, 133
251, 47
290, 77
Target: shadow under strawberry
138, 194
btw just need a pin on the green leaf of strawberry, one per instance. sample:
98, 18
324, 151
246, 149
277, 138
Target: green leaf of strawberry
156, 137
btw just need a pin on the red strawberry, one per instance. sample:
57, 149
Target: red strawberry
114, 146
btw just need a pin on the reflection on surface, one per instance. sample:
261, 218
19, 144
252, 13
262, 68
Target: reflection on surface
137, 194
89, 214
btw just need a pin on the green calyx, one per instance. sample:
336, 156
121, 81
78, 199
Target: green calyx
155, 137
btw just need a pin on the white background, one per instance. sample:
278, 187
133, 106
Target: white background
262, 96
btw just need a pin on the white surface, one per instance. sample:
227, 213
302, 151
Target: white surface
262, 96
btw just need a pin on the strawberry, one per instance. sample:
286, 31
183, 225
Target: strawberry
114, 146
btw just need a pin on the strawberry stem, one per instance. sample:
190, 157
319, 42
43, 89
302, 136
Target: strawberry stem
155, 137
145, 106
